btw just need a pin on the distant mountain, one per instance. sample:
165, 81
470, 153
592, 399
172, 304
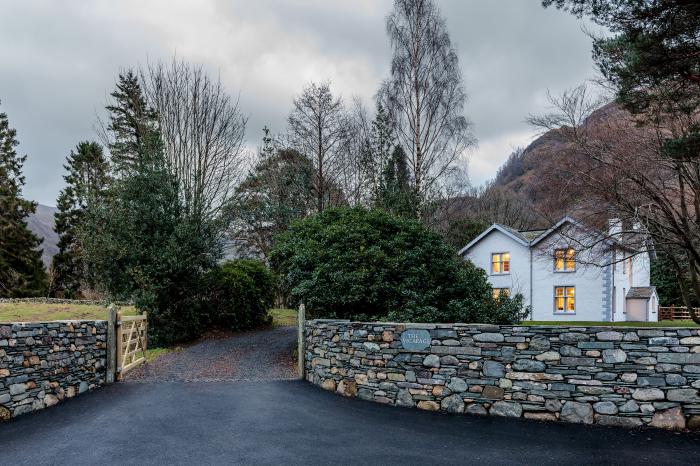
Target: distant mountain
531, 172
41, 223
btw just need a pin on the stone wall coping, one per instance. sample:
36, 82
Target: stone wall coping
429, 326
90, 302
68, 321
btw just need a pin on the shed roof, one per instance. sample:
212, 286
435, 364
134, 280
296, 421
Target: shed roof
641, 292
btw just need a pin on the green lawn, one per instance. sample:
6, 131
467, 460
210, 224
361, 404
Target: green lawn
153, 353
283, 317
43, 312
663, 323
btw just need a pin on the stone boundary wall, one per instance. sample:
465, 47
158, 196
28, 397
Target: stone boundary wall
620, 376
42, 363
62, 301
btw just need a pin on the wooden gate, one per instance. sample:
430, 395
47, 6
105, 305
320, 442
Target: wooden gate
131, 342
675, 313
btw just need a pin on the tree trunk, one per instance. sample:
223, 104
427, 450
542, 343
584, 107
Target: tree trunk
320, 170
696, 288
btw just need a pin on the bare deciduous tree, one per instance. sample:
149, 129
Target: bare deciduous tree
202, 129
353, 164
318, 128
425, 94
629, 171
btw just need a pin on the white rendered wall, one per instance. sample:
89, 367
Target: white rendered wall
593, 301
587, 280
518, 280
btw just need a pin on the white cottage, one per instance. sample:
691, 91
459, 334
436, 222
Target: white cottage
568, 272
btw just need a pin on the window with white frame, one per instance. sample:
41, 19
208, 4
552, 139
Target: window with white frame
498, 292
564, 300
500, 263
564, 260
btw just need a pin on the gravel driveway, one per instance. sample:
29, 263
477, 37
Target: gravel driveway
266, 354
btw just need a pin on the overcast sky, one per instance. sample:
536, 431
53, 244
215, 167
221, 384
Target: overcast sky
59, 62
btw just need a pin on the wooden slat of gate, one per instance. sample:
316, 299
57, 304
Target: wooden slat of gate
131, 342
675, 313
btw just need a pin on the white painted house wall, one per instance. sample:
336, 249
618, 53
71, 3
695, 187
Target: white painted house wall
623, 281
600, 288
587, 280
518, 280
631, 271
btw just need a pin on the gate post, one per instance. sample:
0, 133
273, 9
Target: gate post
111, 344
301, 350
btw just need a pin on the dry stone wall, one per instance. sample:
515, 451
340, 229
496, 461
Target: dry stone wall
90, 302
44, 363
618, 376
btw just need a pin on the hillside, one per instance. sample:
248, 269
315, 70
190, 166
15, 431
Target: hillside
536, 172
41, 224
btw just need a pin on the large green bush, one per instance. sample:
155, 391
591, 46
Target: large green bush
143, 246
355, 263
241, 293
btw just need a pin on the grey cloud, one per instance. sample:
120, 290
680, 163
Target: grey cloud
60, 60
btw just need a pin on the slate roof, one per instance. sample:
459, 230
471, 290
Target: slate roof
530, 235
515, 232
641, 292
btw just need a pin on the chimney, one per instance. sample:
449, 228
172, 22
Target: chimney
614, 227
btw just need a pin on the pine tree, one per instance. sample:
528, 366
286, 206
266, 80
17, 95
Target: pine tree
377, 150
131, 121
397, 195
268, 144
142, 245
86, 180
21, 270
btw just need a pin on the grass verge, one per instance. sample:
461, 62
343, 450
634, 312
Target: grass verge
44, 312
283, 317
662, 323
154, 353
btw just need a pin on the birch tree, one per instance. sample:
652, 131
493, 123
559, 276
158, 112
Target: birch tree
425, 94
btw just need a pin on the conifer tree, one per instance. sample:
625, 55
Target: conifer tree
86, 183
397, 194
21, 270
377, 150
278, 190
131, 121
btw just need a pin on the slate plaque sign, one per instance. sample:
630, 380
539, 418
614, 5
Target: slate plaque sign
415, 339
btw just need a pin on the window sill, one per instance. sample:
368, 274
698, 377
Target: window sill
497, 274
565, 313
565, 271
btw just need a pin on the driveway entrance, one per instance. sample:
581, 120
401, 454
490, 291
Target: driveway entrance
256, 355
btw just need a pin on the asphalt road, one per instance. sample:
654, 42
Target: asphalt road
292, 422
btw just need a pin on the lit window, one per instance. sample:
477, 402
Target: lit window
498, 292
564, 300
564, 260
500, 262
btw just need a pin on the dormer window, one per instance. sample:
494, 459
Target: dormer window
564, 260
500, 263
